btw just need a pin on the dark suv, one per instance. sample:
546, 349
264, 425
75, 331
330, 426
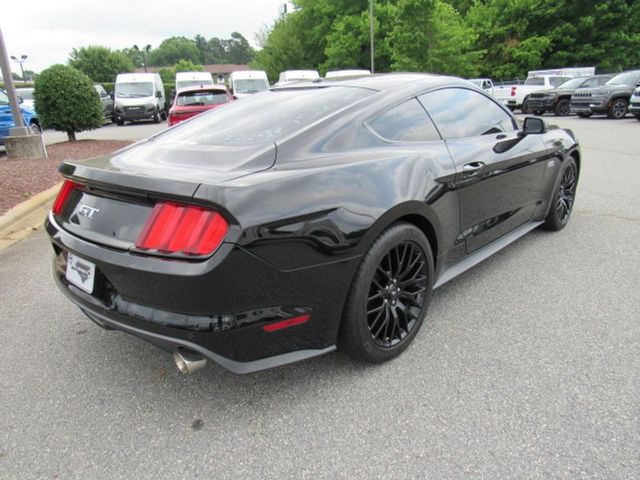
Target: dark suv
558, 99
611, 99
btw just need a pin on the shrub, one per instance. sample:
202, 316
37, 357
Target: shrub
66, 101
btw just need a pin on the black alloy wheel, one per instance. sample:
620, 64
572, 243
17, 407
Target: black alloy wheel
564, 197
617, 108
562, 108
397, 293
390, 295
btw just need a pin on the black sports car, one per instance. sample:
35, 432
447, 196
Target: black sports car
276, 228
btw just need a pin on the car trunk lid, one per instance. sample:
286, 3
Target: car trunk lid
117, 193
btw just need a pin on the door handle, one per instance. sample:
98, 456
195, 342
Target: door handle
501, 136
472, 168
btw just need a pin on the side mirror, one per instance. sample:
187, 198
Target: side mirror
20, 100
533, 126
158, 94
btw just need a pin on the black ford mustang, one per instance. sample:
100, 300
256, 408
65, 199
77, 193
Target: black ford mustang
275, 228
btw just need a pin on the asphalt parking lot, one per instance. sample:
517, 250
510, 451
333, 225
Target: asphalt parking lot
528, 366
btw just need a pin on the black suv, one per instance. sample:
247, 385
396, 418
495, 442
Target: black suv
558, 100
611, 99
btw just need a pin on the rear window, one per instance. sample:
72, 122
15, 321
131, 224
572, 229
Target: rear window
199, 98
264, 117
534, 81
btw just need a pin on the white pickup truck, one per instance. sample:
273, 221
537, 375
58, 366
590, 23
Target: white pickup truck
515, 95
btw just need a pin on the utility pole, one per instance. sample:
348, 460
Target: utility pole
21, 60
143, 51
371, 35
18, 121
20, 142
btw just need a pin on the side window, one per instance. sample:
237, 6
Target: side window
4, 99
458, 112
406, 122
556, 81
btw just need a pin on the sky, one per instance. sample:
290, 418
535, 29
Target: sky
47, 30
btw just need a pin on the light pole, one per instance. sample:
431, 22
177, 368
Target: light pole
371, 35
144, 52
21, 60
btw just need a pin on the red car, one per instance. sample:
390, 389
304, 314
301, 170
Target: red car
194, 100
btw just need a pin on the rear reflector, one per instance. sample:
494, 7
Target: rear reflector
63, 196
177, 228
289, 322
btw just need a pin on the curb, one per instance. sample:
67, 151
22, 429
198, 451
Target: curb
22, 209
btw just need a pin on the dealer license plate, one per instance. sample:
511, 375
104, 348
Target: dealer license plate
80, 272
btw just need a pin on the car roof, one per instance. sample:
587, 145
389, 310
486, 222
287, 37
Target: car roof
387, 82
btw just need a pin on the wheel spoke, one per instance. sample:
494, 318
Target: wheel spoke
391, 320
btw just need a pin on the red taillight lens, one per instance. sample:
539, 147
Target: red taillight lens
63, 196
188, 229
513, 91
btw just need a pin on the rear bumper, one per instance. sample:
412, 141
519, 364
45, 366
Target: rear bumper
218, 312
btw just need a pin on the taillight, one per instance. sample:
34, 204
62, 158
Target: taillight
513, 91
178, 228
63, 196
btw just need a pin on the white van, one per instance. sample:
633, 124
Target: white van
297, 76
138, 96
246, 82
193, 79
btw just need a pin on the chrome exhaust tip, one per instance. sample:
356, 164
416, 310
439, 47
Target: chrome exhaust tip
188, 361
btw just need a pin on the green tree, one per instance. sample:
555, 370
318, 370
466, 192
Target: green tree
172, 50
168, 75
348, 40
66, 101
187, 66
238, 50
521, 35
430, 36
99, 63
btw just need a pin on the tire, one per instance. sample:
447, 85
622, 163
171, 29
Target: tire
617, 108
638, 117
538, 113
163, 116
156, 117
563, 198
35, 128
383, 316
525, 107
584, 115
562, 108
120, 122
